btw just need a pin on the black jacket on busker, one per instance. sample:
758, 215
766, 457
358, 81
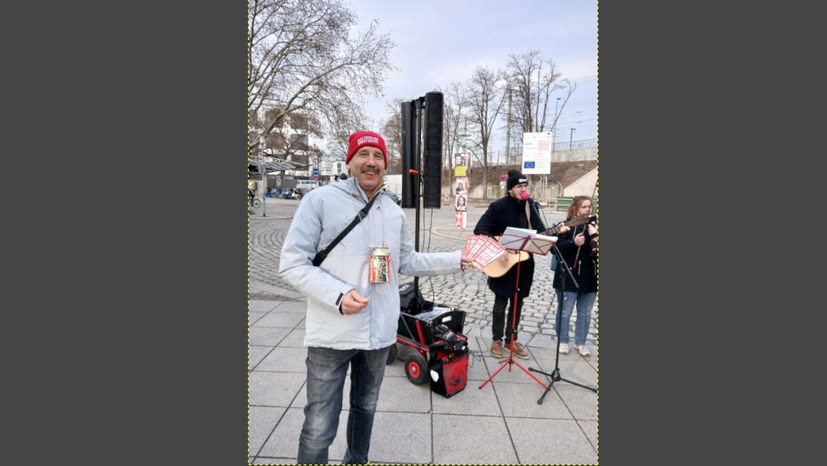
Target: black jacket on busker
583, 266
508, 212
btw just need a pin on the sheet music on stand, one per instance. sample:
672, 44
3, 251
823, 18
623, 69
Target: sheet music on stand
524, 239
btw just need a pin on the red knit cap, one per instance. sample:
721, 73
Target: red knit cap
361, 139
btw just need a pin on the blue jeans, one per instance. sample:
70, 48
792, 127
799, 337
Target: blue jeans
585, 302
326, 371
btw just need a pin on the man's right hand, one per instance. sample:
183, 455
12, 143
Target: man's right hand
353, 302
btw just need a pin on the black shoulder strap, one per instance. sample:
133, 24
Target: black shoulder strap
320, 257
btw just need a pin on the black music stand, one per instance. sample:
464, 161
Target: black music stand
555, 374
518, 240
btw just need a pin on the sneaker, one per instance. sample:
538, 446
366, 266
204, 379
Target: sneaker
564, 348
497, 348
519, 351
582, 350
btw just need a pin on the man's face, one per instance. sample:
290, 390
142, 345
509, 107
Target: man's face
368, 165
518, 190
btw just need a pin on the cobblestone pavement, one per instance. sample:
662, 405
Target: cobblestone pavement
466, 291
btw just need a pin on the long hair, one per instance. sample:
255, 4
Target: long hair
576, 202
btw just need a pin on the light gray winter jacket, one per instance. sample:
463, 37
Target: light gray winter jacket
322, 214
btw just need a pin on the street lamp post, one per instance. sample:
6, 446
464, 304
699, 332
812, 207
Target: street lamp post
571, 138
556, 112
260, 147
554, 126
263, 170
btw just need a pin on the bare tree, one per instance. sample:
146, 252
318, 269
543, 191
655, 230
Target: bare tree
392, 132
484, 97
532, 80
347, 119
454, 120
454, 125
291, 138
304, 59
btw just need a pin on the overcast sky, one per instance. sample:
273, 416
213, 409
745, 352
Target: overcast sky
439, 41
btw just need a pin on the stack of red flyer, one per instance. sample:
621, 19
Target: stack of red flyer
482, 250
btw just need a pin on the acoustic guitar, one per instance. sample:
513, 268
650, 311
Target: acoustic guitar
499, 268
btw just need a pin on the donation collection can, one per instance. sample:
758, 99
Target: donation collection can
380, 265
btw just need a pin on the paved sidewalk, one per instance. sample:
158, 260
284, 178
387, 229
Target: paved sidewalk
500, 423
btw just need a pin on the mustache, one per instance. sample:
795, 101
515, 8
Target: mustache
374, 170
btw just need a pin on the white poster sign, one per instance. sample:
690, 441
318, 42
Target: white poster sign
537, 153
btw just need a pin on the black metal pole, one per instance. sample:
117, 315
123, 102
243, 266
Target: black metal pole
555, 374
417, 150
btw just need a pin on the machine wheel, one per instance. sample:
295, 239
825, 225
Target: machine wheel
392, 353
416, 368
256, 203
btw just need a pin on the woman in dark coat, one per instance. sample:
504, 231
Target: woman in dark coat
578, 247
511, 210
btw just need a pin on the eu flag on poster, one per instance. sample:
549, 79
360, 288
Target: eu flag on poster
528, 164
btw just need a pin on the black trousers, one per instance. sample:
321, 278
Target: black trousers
498, 321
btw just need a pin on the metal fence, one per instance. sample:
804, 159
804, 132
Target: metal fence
516, 150
571, 145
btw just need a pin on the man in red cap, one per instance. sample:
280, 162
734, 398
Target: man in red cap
352, 315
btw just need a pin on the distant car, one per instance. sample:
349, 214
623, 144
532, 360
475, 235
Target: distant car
393, 196
306, 185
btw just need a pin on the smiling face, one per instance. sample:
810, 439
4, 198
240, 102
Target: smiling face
368, 166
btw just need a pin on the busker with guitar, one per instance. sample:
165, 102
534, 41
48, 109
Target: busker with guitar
578, 246
513, 210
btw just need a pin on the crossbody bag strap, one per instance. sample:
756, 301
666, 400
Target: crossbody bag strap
321, 256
